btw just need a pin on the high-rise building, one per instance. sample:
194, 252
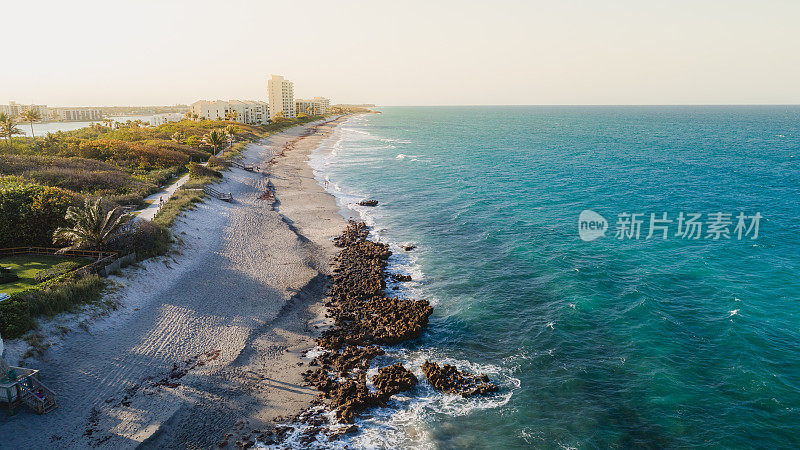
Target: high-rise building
281, 97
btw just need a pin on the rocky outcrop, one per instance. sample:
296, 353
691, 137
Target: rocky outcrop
398, 277
368, 203
364, 318
449, 379
394, 379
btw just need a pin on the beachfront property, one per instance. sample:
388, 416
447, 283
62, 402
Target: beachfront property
77, 114
252, 112
280, 93
14, 109
161, 119
313, 107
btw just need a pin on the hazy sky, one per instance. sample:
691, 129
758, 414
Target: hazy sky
118, 52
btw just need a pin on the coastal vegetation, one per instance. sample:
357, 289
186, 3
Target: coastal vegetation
8, 128
91, 227
69, 188
31, 116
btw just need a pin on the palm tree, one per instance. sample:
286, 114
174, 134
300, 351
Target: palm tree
8, 128
3, 118
31, 116
50, 141
92, 226
230, 130
215, 139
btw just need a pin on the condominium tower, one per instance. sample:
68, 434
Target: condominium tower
281, 97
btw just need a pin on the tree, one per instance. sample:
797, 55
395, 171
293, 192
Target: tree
108, 122
8, 128
50, 141
92, 226
215, 139
31, 116
230, 130
3, 118
30, 213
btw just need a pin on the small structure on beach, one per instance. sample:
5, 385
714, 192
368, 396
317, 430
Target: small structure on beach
21, 385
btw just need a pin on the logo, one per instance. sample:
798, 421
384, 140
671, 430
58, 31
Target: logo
591, 225
687, 226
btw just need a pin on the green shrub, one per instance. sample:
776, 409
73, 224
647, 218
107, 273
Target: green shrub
30, 213
15, 318
199, 171
146, 238
7, 275
18, 313
57, 270
217, 163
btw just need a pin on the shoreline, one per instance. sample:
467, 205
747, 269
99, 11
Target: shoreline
209, 341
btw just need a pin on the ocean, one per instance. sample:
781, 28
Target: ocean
675, 325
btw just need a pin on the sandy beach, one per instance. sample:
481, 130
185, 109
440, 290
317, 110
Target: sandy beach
210, 338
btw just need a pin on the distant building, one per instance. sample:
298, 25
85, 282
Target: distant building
314, 107
78, 114
211, 110
280, 93
308, 107
161, 119
15, 109
249, 111
325, 104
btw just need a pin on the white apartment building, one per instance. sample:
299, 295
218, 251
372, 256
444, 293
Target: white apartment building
280, 93
161, 119
308, 107
212, 110
15, 109
324, 104
316, 106
78, 114
249, 111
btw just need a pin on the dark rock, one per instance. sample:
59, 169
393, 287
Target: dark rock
449, 379
368, 203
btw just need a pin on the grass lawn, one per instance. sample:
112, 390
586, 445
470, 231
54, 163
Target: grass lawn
27, 266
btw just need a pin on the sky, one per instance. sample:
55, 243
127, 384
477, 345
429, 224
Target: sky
500, 52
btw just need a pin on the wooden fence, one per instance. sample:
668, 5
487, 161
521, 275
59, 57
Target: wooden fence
101, 259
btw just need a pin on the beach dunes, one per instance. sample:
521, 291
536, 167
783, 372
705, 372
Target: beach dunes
209, 338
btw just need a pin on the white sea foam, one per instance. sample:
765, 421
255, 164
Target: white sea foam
402, 423
403, 156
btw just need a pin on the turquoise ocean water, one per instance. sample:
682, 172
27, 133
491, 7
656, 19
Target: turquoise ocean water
609, 343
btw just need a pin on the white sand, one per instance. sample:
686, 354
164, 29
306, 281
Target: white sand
246, 281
